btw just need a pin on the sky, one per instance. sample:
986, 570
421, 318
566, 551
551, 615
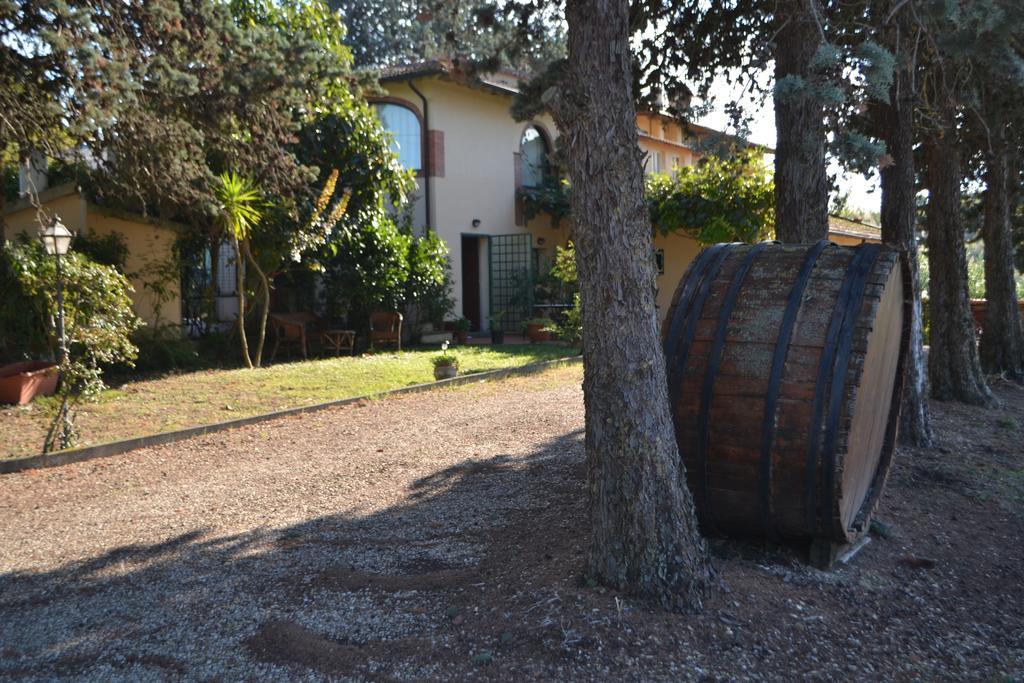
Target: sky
762, 131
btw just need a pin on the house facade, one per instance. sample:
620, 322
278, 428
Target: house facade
472, 162
156, 298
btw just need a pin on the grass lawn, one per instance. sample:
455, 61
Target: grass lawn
189, 399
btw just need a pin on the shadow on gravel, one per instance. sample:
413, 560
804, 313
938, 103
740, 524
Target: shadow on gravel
332, 593
476, 574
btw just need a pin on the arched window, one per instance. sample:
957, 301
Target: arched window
404, 125
535, 151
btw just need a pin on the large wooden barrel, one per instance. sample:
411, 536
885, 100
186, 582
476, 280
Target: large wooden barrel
785, 368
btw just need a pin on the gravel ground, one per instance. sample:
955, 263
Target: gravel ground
439, 536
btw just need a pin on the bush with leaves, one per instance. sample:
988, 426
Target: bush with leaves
108, 250
368, 271
717, 200
428, 290
98, 323
570, 327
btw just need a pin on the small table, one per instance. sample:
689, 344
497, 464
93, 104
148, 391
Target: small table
338, 340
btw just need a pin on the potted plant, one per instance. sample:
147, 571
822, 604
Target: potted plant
446, 365
497, 334
462, 330
538, 329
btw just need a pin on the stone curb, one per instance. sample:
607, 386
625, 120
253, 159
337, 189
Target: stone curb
117, 447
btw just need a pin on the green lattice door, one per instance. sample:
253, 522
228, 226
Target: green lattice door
512, 278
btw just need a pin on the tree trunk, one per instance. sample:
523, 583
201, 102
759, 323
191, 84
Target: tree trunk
899, 216
801, 181
264, 306
240, 284
644, 536
953, 366
1002, 343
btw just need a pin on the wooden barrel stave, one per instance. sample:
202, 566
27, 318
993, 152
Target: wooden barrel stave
720, 422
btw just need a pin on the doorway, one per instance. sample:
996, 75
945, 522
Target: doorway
471, 280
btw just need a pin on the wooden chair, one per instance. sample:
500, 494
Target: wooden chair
291, 329
386, 328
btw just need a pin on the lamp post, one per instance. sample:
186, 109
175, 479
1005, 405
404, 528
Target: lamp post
56, 239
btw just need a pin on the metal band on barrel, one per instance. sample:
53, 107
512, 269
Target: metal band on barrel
793, 303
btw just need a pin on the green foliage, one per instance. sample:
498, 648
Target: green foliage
721, 199
569, 326
387, 32
368, 272
24, 327
429, 286
57, 83
98, 318
718, 200
444, 358
553, 197
108, 250
212, 92
565, 264
379, 266
238, 205
164, 349
352, 141
98, 315
311, 18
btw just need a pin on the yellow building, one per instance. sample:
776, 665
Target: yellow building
852, 233
150, 246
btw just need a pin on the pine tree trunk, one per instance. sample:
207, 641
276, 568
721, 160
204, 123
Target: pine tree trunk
953, 367
644, 536
240, 284
801, 180
264, 306
899, 217
1002, 343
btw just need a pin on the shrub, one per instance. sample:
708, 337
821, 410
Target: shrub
163, 350
108, 250
444, 358
429, 286
98, 323
368, 272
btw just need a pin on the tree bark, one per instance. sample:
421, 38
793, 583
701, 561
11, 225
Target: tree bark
644, 536
240, 284
1002, 342
801, 180
899, 218
264, 306
953, 367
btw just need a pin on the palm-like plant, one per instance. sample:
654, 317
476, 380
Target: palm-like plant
239, 213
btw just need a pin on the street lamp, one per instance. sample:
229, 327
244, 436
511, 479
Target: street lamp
56, 239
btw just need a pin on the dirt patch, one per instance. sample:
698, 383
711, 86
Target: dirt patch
442, 536
288, 643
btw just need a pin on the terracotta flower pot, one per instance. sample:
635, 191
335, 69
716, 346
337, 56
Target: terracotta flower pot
537, 333
445, 371
21, 382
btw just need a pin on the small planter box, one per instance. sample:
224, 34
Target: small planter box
445, 371
21, 382
536, 332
